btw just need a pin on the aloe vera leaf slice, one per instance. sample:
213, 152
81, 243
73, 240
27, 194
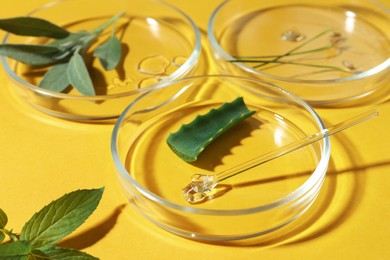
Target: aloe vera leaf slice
191, 139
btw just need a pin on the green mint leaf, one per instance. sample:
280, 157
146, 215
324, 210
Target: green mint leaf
60, 218
58, 253
55, 79
32, 26
78, 75
109, 53
3, 219
17, 250
3, 222
37, 55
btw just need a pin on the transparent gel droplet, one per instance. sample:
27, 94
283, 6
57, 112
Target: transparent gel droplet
293, 36
154, 65
349, 65
150, 81
118, 83
200, 187
178, 61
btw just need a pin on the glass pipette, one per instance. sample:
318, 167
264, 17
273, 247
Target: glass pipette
203, 186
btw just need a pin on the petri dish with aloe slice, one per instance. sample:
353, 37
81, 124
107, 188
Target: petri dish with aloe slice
260, 200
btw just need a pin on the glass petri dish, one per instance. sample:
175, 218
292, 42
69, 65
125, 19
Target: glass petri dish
159, 43
326, 52
256, 202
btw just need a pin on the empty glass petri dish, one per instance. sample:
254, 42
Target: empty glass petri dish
326, 52
159, 43
258, 201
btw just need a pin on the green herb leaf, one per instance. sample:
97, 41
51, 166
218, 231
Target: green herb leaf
3, 222
32, 26
58, 253
38, 55
71, 40
78, 75
3, 219
191, 139
56, 79
109, 53
17, 250
60, 218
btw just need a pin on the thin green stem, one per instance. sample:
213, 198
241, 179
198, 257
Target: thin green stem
307, 42
317, 66
240, 58
300, 64
108, 23
294, 50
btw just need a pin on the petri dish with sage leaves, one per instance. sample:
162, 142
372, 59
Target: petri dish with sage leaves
158, 43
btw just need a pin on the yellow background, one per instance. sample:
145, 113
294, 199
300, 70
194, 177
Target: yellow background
42, 157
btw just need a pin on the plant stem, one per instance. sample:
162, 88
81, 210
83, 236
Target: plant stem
275, 59
306, 42
292, 51
301, 64
102, 27
245, 58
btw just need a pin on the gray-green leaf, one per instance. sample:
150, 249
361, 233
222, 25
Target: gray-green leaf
17, 250
37, 55
32, 26
56, 79
58, 253
60, 218
109, 53
70, 41
78, 75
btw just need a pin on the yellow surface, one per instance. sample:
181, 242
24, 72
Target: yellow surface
43, 157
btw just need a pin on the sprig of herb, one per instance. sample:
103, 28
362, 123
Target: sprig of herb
334, 41
46, 228
66, 53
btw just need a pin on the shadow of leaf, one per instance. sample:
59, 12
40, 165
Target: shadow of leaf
213, 154
93, 235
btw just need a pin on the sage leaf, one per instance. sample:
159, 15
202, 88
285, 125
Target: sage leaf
60, 218
191, 139
32, 26
17, 250
37, 55
73, 39
109, 53
78, 75
58, 253
55, 79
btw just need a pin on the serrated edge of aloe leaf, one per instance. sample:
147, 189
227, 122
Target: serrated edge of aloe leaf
188, 133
